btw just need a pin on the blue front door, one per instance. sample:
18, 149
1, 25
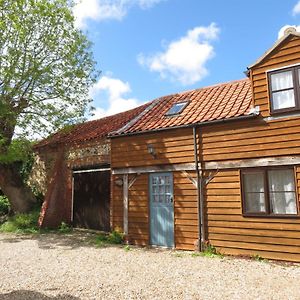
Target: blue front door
161, 209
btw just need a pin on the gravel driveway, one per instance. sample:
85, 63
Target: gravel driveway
68, 267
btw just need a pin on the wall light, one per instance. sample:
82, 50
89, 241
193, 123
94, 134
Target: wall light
119, 182
151, 150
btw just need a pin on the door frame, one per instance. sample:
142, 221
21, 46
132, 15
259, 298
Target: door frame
78, 171
149, 207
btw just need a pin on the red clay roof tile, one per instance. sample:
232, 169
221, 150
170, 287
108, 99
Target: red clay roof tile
92, 129
222, 101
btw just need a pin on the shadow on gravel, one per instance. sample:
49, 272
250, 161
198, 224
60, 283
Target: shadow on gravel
27, 295
55, 240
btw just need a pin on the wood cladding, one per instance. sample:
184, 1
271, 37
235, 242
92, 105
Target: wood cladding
227, 228
171, 147
288, 54
231, 233
251, 139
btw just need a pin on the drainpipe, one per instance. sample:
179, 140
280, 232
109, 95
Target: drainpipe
200, 195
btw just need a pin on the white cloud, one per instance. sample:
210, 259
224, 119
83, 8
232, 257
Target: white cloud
296, 9
184, 59
283, 28
116, 90
99, 10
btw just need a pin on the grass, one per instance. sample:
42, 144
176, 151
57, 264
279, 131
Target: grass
259, 258
113, 238
209, 251
28, 224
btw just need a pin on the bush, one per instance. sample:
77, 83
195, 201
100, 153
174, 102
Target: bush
64, 228
22, 223
4, 205
115, 237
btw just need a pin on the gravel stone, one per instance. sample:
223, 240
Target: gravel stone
54, 266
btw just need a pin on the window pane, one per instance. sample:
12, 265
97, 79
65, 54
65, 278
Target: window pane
281, 180
254, 192
254, 182
283, 80
282, 191
255, 202
284, 99
283, 203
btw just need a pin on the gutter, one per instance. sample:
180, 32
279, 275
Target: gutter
221, 121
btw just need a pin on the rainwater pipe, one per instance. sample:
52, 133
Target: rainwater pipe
200, 194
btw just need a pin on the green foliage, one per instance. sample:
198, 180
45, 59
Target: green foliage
259, 258
127, 248
64, 228
4, 205
115, 237
209, 251
47, 68
22, 223
19, 150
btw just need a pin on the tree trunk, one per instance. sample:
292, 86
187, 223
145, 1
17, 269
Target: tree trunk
20, 195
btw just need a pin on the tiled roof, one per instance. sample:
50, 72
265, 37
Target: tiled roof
222, 101
92, 129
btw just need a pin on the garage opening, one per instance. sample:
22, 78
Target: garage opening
91, 199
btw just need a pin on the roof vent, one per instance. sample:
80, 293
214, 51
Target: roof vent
290, 30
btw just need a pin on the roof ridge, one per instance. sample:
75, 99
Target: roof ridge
216, 85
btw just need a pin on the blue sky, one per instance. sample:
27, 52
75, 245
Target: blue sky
150, 48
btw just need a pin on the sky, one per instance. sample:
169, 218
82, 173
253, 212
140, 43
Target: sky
150, 48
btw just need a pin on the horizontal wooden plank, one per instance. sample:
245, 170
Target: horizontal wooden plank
275, 146
186, 228
254, 246
186, 234
181, 246
218, 192
223, 204
263, 225
263, 254
240, 218
254, 232
255, 239
186, 216
223, 132
223, 198
224, 211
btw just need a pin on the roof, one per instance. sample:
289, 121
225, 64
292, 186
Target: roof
219, 102
92, 129
288, 33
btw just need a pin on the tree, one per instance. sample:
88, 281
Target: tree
46, 70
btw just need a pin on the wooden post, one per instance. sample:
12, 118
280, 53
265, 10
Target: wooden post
125, 204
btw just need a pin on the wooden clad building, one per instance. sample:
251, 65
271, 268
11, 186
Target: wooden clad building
218, 165
72, 169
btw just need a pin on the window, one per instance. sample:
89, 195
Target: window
284, 88
269, 192
177, 108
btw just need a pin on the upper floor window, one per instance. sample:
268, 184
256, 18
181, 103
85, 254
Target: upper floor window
284, 88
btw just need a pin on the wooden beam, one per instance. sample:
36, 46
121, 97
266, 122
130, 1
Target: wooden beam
125, 203
153, 169
190, 178
248, 163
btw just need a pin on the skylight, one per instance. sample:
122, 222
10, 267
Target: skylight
177, 108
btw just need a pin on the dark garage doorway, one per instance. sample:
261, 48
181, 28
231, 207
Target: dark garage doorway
91, 199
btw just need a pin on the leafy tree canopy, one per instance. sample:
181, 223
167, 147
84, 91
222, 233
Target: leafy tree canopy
46, 69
